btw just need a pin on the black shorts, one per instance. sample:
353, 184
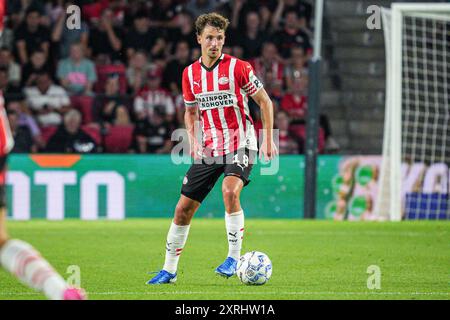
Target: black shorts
3, 181
201, 177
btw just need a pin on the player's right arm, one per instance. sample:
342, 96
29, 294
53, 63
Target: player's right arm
191, 117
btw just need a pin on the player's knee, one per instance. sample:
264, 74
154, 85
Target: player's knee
183, 214
230, 195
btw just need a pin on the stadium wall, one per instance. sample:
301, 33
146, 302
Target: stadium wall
91, 187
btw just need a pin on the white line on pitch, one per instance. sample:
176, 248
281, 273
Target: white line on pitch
243, 293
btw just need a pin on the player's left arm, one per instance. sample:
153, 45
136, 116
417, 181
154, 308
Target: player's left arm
268, 148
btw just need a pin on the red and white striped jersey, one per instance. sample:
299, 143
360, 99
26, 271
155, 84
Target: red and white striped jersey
221, 94
148, 99
6, 137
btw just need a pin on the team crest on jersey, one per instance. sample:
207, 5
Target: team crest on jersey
223, 80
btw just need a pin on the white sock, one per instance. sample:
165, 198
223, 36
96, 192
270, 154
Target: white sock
234, 223
23, 261
176, 239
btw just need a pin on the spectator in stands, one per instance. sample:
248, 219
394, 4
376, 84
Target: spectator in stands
38, 63
118, 8
76, 73
154, 95
296, 66
70, 138
172, 76
54, 8
288, 144
23, 140
269, 68
134, 8
47, 100
31, 36
163, 12
65, 37
7, 38
183, 31
111, 106
7, 61
291, 36
10, 91
153, 135
25, 118
295, 103
105, 42
198, 7
92, 10
143, 38
238, 10
251, 38
303, 9
17, 9
265, 15
137, 72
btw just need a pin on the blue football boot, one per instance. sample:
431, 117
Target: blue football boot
163, 277
227, 268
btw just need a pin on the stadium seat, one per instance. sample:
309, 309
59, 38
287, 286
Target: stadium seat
103, 71
84, 105
47, 132
118, 139
93, 11
94, 132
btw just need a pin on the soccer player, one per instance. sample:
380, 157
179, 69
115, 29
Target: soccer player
216, 89
19, 257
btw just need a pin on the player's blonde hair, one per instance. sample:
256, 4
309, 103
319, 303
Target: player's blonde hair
212, 19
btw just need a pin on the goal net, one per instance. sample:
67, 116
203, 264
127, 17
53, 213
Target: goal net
414, 174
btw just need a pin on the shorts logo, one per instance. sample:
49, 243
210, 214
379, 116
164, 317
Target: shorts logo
185, 180
223, 80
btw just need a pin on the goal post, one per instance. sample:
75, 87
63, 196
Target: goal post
414, 174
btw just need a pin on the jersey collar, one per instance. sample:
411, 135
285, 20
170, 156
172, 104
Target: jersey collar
213, 66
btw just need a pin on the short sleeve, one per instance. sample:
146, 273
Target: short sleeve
61, 71
139, 104
91, 73
170, 107
247, 79
188, 95
64, 98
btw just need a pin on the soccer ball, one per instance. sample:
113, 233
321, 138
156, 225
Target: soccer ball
254, 268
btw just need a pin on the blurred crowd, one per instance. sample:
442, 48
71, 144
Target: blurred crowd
114, 84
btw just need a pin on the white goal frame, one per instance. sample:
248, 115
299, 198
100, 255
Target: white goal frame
392, 138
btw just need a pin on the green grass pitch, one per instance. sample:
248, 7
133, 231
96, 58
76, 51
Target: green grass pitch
311, 259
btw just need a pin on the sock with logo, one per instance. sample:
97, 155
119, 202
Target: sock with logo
234, 223
176, 239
